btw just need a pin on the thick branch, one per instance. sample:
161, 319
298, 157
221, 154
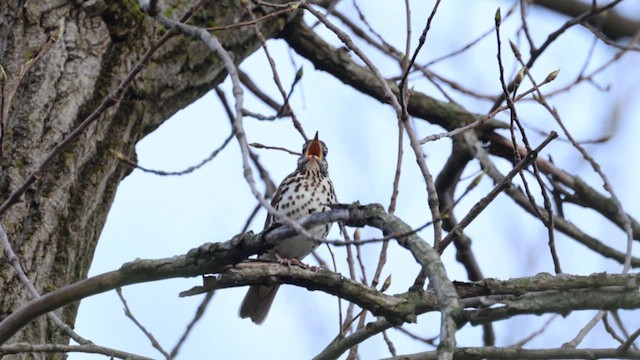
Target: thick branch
612, 24
560, 223
396, 308
489, 352
521, 296
473, 294
619, 290
19, 348
450, 116
559, 302
216, 257
338, 63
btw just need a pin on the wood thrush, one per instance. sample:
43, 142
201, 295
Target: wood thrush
305, 191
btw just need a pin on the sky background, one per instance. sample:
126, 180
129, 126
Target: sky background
156, 217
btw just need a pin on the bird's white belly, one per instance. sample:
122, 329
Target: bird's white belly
298, 246
298, 202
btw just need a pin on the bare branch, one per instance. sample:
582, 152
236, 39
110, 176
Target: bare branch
216, 47
63, 348
139, 325
500, 186
518, 353
188, 170
615, 25
217, 257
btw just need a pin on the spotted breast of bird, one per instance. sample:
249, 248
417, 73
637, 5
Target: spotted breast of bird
303, 192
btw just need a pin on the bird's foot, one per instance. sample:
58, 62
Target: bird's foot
316, 268
298, 262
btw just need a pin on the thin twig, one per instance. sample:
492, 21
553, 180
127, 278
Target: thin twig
584, 331
276, 77
349, 317
362, 317
618, 320
254, 21
430, 341
383, 239
630, 341
253, 87
548, 220
589, 77
533, 335
186, 171
525, 26
215, 46
611, 330
18, 348
554, 35
260, 146
481, 120
497, 189
421, 42
382, 258
470, 44
196, 317
621, 213
264, 174
390, 346
24, 279
148, 334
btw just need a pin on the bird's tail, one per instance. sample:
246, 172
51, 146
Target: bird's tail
257, 302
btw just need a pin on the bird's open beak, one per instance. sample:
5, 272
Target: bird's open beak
315, 148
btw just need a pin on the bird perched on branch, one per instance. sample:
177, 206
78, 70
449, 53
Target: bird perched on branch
305, 191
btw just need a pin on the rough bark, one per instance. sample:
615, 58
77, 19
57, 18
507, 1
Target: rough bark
55, 226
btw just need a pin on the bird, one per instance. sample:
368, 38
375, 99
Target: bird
305, 191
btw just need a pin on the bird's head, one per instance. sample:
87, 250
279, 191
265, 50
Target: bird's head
314, 156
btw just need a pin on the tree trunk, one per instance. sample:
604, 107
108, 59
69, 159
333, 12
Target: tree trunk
53, 82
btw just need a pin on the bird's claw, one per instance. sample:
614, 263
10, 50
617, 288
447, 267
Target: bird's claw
298, 262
